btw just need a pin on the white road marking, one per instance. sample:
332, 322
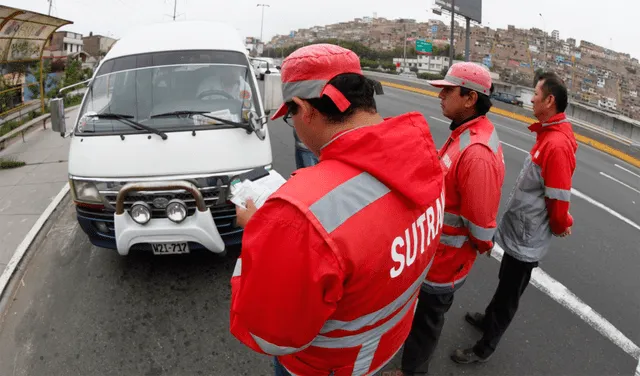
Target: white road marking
528, 135
440, 120
31, 235
515, 147
638, 369
558, 292
631, 172
605, 208
618, 181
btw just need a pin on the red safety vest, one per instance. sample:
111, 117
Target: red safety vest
385, 270
456, 252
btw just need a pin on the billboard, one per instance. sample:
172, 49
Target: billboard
467, 8
423, 47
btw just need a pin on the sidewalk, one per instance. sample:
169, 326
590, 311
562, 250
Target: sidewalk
25, 192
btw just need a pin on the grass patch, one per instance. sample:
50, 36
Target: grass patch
6, 163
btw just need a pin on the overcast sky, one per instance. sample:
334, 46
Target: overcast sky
590, 20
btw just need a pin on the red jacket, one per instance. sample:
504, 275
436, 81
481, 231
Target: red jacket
539, 204
332, 264
474, 166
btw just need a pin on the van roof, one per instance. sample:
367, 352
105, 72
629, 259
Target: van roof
176, 36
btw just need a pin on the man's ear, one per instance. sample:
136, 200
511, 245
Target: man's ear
472, 99
306, 111
550, 100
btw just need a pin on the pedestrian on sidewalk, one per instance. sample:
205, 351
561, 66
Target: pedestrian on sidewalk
332, 263
474, 172
304, 156
538, 208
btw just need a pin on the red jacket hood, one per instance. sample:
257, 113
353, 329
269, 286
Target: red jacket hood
409, 164
557, 123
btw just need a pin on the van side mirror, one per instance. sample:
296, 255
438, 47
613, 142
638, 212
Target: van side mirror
57, 116
272, 92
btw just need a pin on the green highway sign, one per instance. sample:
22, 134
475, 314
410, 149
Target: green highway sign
423, 47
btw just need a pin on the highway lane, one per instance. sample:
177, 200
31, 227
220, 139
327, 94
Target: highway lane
83, 310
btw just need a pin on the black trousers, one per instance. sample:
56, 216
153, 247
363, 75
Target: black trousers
514, 277
425, 332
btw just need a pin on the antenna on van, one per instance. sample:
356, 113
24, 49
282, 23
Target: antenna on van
175, 7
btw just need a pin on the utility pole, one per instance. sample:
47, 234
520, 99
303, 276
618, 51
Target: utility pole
262, 21
544, 25
467, 47
50, 4
451, 47
405, 48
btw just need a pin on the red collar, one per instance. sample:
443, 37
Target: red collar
554, 120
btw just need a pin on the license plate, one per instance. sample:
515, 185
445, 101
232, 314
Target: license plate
170, 248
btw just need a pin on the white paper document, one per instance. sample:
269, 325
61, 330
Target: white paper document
258, 190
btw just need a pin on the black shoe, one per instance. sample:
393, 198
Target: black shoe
476, 319
467, 356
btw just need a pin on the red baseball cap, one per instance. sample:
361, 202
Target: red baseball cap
466, 74
306, 74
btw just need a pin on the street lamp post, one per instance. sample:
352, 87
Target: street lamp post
451, 47
544, 25
262, 21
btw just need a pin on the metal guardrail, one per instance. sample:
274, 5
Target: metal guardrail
23, 128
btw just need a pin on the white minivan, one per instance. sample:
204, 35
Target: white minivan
171, 116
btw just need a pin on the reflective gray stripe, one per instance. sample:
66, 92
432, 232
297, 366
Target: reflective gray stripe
453, 220
362, 338
478, 232
380, 314
468, 84
558, 194
365, 358
442, 288
465, 140
345, 200
555, 122
494, 141
238, 269
276, 350
302, 89
456, 241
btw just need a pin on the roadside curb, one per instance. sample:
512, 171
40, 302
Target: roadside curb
525, 119
20, 252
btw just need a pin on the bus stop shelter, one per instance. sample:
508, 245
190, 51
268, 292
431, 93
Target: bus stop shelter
23, 38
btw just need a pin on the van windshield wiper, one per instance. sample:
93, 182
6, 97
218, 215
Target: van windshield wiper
203, 114
126, 119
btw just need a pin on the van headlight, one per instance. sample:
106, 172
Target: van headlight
176, 211
140, 212
86, 191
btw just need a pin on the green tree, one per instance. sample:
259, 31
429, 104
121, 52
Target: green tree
72, 73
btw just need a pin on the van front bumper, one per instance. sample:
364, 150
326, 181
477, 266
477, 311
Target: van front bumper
211, 228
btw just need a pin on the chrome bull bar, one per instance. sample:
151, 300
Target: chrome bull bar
160, 186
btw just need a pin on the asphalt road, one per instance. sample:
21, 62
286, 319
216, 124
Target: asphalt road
80, 310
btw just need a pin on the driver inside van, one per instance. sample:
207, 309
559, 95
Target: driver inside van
224, 82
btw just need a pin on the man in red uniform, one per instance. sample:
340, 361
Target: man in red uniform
474, 172
331, 265
538, 209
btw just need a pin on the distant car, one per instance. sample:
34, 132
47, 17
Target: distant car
260, 68
507, 98
408, 74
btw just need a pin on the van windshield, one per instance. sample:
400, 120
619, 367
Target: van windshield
214, 83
